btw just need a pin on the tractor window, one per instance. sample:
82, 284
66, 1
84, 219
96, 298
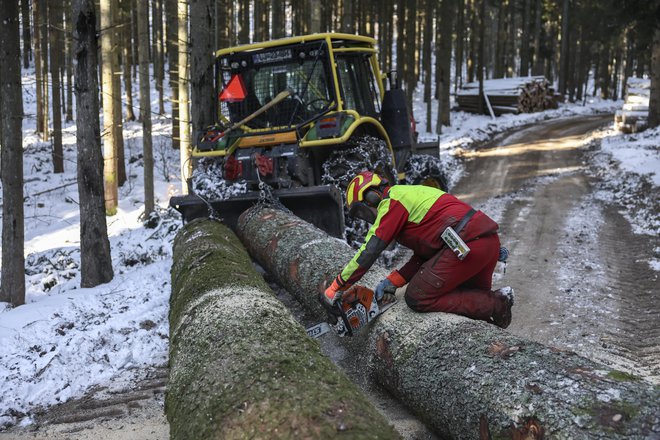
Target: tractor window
358, 84
306, 77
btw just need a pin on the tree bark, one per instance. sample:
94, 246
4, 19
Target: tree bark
460, 37
118, 122
127, 56
426, 62
68, 40
43, 34
240, 365
410, 50
159, 61
315, 16
95, 260
458, 375
348, 17
278, 29
201, 66
184, 99
56, 52
37, 67
481, 65
563, 69
243, 21
12, 276
511, 41
498, 71
537, 66
524, 49
110, 176
400, 22
145, 99
171, 14
27, 35
473, 32
654, 98
443, 54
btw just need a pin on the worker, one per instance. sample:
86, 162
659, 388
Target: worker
440, 278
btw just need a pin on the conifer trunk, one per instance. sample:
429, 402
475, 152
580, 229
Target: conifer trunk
462, 377
37, 66
184, 95
95, 260
56, 52
446, 22
172, 46
201, 65
68, 50
110, 176
27, 35
127, 56
654, 99
145, 99
12, 271
117, 120
43, 45
240, 365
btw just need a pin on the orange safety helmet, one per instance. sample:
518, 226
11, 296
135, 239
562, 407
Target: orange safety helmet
363, 192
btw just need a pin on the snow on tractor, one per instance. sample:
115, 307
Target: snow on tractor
302, 115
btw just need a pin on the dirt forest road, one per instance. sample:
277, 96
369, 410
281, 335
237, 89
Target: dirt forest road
581, 276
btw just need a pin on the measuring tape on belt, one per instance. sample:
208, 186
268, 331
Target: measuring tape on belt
452, 238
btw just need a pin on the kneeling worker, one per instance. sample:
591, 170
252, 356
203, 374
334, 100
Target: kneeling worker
439, 278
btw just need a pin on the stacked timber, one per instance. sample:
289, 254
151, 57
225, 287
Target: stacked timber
465, 379
508, 95
240, 365
633, 117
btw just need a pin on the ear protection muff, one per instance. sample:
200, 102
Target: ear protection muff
373, 197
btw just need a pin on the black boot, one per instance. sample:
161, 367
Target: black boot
502, 316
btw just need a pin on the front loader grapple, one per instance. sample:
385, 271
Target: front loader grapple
320, 205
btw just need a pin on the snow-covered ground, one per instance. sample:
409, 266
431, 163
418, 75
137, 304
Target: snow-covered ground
65, 339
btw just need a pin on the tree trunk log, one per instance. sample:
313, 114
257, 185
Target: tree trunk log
240, 365
462, 377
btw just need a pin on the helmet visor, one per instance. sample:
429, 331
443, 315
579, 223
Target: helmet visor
362, 211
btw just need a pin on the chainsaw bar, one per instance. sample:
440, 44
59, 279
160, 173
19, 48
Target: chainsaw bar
318, 330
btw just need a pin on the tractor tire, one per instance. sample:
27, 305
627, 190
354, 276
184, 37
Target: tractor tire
424, 169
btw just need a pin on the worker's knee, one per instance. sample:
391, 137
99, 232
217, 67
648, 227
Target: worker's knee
412, 302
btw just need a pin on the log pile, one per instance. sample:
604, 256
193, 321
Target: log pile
466, 379
508, 95
633, 116
240, 365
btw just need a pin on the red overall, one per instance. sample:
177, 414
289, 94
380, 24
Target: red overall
437, 280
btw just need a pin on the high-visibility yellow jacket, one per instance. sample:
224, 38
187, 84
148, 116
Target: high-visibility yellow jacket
415, 216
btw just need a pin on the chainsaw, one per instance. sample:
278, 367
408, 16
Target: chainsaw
355, 309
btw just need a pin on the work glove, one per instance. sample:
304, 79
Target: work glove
331, 294
384, 285
504, 255
328, 299
386, 289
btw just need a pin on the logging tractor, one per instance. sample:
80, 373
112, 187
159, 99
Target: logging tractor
296, 119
